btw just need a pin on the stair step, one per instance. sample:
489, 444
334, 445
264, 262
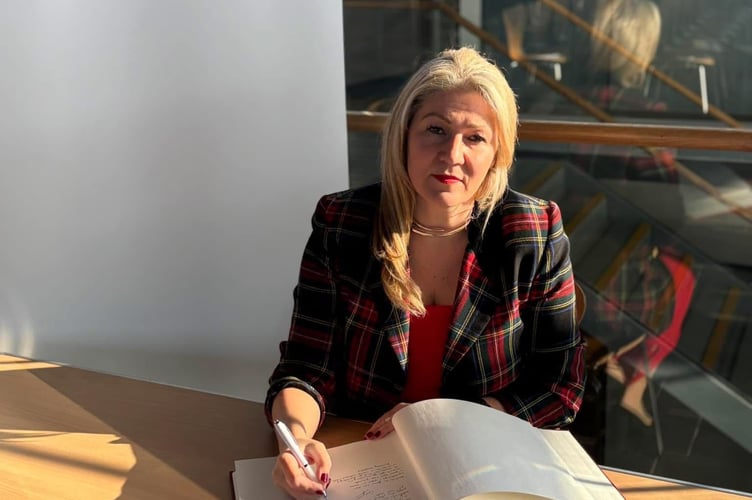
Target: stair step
636, 239
600, 264
552, 186
527, 169
586, 225
741, 374
544, 180
724, 353
710, 295
720, 333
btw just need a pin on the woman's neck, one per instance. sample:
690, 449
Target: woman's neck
446, 218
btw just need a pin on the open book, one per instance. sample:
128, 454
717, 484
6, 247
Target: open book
450, 449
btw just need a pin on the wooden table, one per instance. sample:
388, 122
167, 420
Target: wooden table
72, 433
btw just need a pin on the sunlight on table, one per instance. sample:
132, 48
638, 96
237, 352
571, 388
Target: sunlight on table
85, 465
10, 363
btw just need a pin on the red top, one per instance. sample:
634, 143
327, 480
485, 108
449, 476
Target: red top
428, 336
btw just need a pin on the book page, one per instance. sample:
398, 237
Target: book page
460, 449
580, 465
364, 470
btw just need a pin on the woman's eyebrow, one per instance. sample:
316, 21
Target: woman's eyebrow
433, 114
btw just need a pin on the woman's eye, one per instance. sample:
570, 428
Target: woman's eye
436, 130
476, 138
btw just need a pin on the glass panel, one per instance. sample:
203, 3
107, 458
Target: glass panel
685, 60
384, 46
661, 238
700, 55
667, 272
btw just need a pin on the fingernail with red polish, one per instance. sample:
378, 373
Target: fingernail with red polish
324, 478
377, 434
319, 492
369, 435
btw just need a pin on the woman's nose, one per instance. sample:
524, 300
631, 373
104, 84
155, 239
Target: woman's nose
455, 150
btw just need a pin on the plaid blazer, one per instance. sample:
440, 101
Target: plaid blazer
513, 333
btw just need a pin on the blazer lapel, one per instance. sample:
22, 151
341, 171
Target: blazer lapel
474, 306
396, 328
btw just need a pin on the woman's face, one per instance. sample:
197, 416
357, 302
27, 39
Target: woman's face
451, 145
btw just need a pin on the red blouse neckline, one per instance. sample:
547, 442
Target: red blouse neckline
425, 352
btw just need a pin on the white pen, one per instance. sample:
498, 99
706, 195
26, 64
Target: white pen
286, 436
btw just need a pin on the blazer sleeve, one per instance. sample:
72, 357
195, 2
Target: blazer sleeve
308, 355
549, 390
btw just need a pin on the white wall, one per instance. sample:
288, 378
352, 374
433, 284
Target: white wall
159, 164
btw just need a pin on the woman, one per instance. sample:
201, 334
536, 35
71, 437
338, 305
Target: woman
635, 26
655, 287
617, 86
437, 282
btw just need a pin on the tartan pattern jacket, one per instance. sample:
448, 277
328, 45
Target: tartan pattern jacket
513, 333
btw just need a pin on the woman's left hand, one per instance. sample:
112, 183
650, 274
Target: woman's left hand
383, 425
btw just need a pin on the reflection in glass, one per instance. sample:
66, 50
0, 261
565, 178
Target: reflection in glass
661, 238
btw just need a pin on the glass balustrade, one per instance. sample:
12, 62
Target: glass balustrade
661, 238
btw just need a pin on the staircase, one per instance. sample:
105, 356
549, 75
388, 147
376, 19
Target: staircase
703, 387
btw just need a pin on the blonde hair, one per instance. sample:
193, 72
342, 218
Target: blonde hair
457, 69
636, 26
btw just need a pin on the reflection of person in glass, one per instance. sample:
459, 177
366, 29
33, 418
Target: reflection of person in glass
617, 87
635, 25
656, 288
440, 281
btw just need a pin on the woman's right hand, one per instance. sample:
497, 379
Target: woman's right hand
289, 476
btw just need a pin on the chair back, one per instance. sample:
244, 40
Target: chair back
580, 304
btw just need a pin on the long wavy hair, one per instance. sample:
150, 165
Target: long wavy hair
636, 26
456, 69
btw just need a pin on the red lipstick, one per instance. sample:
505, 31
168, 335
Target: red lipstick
446, 179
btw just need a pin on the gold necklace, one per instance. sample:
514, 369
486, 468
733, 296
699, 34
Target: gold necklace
440, 232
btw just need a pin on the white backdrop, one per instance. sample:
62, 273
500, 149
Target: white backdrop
159, 164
